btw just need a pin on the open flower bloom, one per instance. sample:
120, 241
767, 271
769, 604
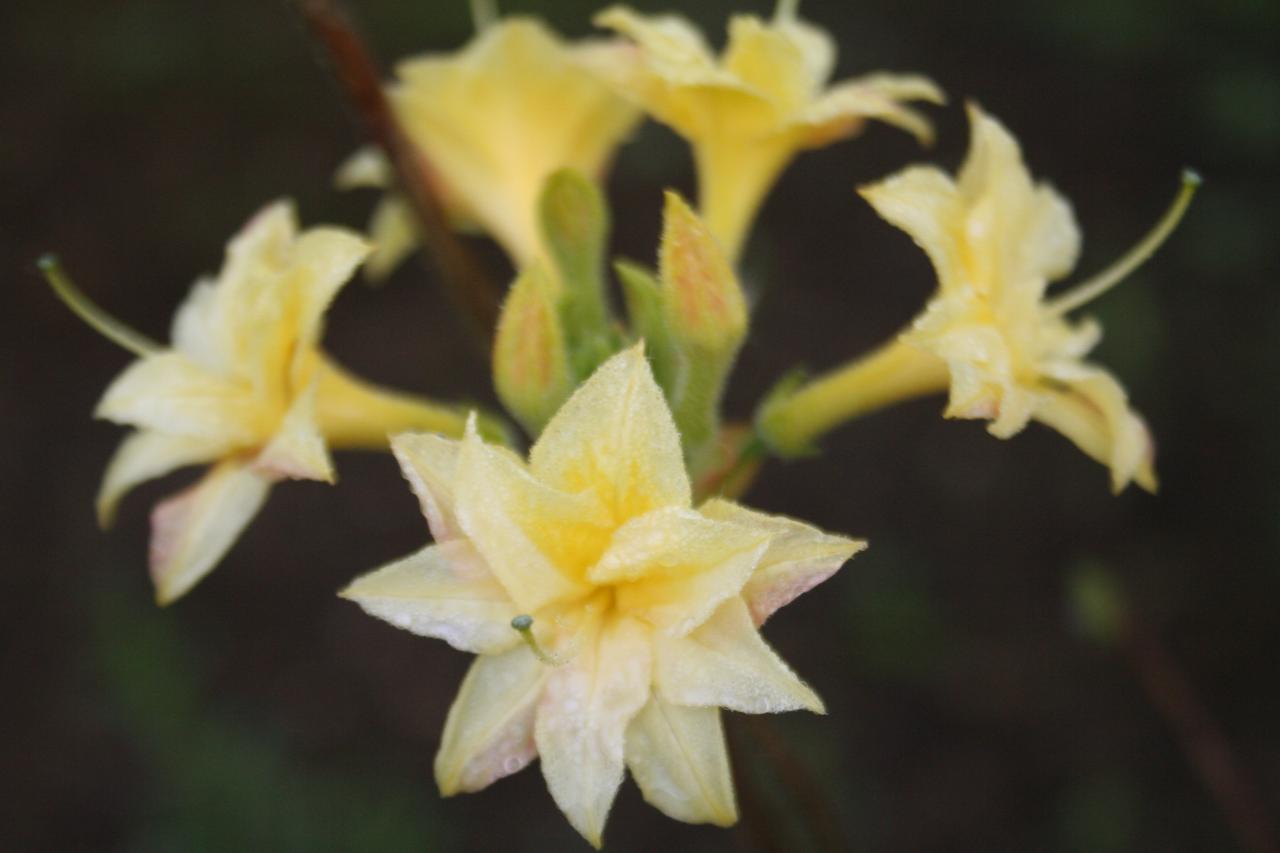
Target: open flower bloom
493, 121
244, 387
996, 239
611, 618
748, 112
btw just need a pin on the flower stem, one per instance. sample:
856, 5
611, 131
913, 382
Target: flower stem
791, 422
467, 284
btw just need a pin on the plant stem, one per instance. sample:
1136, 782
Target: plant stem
1171, 692
468, 287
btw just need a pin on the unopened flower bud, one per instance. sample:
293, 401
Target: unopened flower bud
531, 370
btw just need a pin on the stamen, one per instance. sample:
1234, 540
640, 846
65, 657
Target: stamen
524, 627
786, 10
484, 13
85, 308
1093, 288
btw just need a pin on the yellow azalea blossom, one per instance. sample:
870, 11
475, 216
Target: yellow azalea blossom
245, 389
638, 612
493, 121
1008, 352
748, 112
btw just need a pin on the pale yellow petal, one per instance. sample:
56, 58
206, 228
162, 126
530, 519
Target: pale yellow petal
673, 567
725, 662
146, 454
430, 464
169, 392
489, 732
324, 259
536, 540
799, 556
394, 233
672, 45
582, 721
677, 756
1093, 412
193, 529
197, 330
923, 201
297, 450
845, 107
443, 591
615, 438
366, 167
771, 62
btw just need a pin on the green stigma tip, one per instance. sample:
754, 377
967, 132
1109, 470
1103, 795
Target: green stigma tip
523, 622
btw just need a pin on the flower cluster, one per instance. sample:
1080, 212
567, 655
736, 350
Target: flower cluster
608, 582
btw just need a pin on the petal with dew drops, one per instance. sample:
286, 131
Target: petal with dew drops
799, 556
297, 450
169, 392
677, 756
193, 529
144, 455
443, 591
1094, 414
674, 567
430, 464
615, 437
726, 662
536, 540
582, 721
489, 732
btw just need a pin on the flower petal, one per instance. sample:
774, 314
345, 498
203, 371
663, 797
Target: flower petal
323, 260
146, 454
489, 732
725, 662
536, 540
615, 437
366, 167
845, 106
193, 529
582, 722
297, 450
923, 201
1094, 413
430, 464
169, 392
443, 591
394, 233
673, 567
678, 758
799, 556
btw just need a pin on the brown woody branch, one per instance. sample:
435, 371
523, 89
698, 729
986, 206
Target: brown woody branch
467, 284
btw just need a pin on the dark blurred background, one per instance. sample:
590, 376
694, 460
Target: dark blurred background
968, 711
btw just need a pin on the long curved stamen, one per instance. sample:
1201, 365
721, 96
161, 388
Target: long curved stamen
523, 624
1093, 288
484, 13
85, 308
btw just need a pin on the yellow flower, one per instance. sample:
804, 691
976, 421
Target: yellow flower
639, 612
748, 112
996, 239
245, 387
493, 122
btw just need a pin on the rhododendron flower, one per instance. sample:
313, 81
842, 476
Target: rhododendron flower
493, 121
996, 239
748, 112
245, 387
611, 618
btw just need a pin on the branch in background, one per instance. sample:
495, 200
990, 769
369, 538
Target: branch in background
1170, 691
467, 284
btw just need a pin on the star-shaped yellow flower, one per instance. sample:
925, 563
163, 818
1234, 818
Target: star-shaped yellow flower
246, 388
639, 612
493, 122
996, 239
748, 112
